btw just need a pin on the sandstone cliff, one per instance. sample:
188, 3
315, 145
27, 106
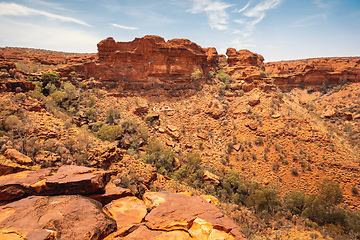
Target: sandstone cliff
314, 72
147, 63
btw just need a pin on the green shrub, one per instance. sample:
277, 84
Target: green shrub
194, 160
295, 202
264, 74
97, 126
58, 97
196, 75
51, 76
264, 200
130, 126
162, 158
69, 89
223, 76
310, 89
109, 133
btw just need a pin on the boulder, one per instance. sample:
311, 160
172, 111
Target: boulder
172, 128
348, 116
252, 125
202, 136
210, 199
153, 199
126, 211
47, 158
141, 110
112, 192
65, 217
17, 157
237, 147
9, 167
143, 233
210, 178
180, 212
67, 180
357, 116
254, 100
330, 113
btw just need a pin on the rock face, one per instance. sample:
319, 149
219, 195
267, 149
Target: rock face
147, 63
314, 73
64, 217
67, 180
17, 157
194, 215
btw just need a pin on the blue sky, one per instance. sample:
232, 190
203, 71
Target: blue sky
276, 29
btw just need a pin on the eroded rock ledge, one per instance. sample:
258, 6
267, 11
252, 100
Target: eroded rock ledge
71, 212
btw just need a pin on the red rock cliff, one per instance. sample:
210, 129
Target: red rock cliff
148, 62
314, 72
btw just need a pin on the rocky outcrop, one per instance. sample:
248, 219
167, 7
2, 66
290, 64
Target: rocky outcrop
247, 70
147, 63
67, 180
55, 217
314, 72
118, 215
193, 215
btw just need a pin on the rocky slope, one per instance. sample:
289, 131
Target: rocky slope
225, 128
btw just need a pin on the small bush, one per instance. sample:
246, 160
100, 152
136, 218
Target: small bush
223, 76
295, 202
196, 75
51, 76
310, 89
355, 190
109, 133
295, 171
264, 74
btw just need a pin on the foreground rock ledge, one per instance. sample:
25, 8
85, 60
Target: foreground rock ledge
68, 179
64, 217
194, 215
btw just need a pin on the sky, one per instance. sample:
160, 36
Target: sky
276, 29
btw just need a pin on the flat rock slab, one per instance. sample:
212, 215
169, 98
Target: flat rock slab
194, 215
126, 211
8, 167
112, 192
68, 179
143, 233
63, 217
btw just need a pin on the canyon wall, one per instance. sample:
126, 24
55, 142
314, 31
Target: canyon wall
314, 72
147, 63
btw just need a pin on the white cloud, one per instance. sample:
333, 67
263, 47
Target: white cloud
244, 8
259, 10
123, 27
215, 11
46, 36
13, 9
254, 14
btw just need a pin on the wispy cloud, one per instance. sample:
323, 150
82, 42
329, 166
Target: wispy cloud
252, 14
14, 9
244, 8
215, 11
260, 9
310, 20
63, 38
123, 27
320, 3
